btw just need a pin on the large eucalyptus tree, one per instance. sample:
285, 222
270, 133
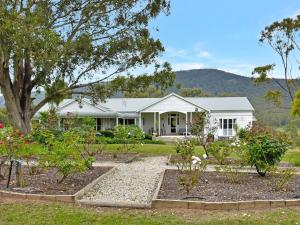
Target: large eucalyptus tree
62, 46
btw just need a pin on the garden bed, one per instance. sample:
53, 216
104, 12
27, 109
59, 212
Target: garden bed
218, 189
228, 161
116, 157
45, 181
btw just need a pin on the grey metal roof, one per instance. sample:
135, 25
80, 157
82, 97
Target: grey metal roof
209, 103
128, 107
128, 104
222, 103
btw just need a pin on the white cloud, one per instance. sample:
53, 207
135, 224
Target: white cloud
187, 66
204, 54
175, 52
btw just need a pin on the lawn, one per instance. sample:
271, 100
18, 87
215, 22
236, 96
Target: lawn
150, 149
292, 156
29, 213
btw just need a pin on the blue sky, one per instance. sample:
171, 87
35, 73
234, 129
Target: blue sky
221, 34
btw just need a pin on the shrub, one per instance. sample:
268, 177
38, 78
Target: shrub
107, 133
148, 137
284, 178
12, 145
129, 136
66, 154
189, 166
233, 174
265, 147
220, 150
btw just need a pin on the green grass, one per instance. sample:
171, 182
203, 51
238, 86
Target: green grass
292, 156
149, 149
15, 214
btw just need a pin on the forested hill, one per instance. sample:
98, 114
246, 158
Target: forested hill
220, 82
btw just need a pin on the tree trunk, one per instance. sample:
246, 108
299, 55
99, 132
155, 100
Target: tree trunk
19, 118
17, 94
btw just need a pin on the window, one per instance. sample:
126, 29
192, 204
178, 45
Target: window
99, 123
174, 116
126, 121
129, 121
227, 126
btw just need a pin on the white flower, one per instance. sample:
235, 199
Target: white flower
204, 156
142, 144
128, 133
196, 158
233, 144
8, 138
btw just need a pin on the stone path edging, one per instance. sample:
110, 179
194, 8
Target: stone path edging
238, 205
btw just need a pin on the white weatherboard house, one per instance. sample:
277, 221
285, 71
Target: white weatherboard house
166, 116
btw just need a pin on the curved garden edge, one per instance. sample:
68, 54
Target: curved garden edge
53, 198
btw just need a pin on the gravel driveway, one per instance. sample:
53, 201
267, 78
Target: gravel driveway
130, 184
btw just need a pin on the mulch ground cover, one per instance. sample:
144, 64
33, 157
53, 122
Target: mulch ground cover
115, 157
215, 187
45, 181
228, 161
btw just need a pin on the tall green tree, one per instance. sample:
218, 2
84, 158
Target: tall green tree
283, 37
149, 92
62, 47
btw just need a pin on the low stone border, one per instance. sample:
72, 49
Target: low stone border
239, 205
88, 187
114, 204
161, 178
40, 197
50, 198
133, 158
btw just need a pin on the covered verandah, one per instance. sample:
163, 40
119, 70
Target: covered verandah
168, 123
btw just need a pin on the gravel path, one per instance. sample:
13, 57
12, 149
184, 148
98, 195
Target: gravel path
130, 184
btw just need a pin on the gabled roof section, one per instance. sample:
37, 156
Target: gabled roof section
168, 96
85, 100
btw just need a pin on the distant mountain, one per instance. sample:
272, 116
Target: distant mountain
219, 82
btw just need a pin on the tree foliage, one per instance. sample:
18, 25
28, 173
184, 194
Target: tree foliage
265, 147
283, 37
63, 46
204, 127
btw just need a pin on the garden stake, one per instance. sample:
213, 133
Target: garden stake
9, 174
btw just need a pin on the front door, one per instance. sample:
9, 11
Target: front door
173, 125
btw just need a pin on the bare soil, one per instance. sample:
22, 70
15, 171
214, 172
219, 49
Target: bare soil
117, 157
214, 187
45, 181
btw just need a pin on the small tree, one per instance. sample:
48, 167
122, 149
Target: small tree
189, 165
265, 147
220, 150
204, 127
65, 154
